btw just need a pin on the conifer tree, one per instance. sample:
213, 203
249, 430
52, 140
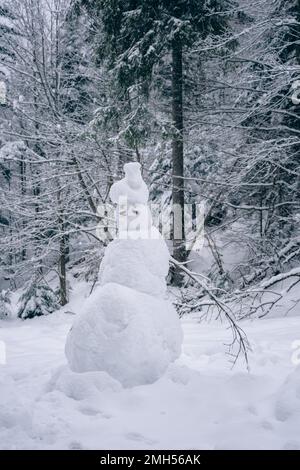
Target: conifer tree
4, 305
37, 300
136, 36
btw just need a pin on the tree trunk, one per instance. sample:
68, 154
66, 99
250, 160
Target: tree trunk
63, 252
23, 192
179, 249
62, 271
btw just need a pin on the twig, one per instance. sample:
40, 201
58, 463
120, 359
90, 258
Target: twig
238, 334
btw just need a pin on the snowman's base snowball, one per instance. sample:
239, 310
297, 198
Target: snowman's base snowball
130, 335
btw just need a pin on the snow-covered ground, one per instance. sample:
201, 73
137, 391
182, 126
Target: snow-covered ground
200, 403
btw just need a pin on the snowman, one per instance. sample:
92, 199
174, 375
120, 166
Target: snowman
128, 328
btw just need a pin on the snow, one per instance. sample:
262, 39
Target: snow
131, 335
133, 217
200, 402
140, 264
287, 406
131, 186
127, 327
281, 277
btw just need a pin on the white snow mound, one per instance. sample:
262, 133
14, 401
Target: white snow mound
130, 335
132, 186
139, 264
82, 386
287, 405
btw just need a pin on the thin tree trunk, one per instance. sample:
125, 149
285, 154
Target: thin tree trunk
23, 192
179, 250
84, 186
63, 252
62, 271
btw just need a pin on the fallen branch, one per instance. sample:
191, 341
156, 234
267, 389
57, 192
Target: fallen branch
238, 335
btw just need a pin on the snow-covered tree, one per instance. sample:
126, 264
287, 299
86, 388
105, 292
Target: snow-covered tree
51, 162
136, 36
38, 299
5, 311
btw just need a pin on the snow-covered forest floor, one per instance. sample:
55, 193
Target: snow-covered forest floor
201, 402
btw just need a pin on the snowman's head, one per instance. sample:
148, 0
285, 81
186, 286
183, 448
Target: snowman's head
133, 174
